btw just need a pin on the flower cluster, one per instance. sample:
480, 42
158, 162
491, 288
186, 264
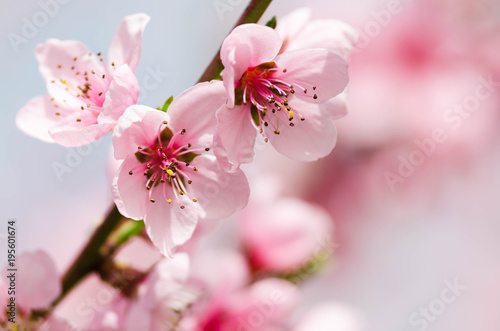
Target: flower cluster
179, 165
171, 158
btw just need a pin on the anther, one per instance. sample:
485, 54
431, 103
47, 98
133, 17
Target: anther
130, 173
195, 169
194, 200
190, 181
284, 70
276, 132
152, 200
183, 131
78, 120
207, 149
182, 207
165, 122
291, 124
315, 96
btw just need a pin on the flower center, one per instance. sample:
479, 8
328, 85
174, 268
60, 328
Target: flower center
266, 87
86, 88
166, 165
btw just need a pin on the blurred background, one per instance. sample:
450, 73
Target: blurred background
413, 185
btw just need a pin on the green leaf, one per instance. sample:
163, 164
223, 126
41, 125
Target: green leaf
272, 23
167, 104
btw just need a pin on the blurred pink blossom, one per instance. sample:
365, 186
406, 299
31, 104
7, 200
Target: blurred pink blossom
85, 97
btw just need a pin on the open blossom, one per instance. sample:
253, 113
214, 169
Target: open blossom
168, 178
156, 303
281, 96
85, 96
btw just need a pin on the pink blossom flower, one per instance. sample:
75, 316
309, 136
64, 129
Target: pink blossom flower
84, 96
167, 177
283, 234
282, 96
156, 304
37, 286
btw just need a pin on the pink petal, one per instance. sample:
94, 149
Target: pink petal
337, 106
122, 93
274, 298
138, 317
234, 138
230, 77
55, 324
220, 271
37, 117
219, 193
290, 26
334, 35
248, 45
326, 71
74, 137
168, 276
308, 140
129, 191
138, 126
127, 42
194, 110
169, 226
56, 63
38, 281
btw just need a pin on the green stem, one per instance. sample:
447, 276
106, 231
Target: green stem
252, 14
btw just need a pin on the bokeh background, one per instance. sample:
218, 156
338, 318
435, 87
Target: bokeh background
404, 230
